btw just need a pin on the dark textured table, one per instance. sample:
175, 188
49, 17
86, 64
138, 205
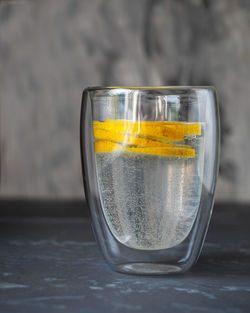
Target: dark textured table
54, 265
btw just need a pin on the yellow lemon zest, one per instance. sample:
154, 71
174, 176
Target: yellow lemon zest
107, 146
188, 128
127, 139
162, 133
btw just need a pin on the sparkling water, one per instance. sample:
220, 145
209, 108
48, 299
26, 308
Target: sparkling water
150, 202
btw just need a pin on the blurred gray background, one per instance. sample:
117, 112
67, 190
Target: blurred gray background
51, 50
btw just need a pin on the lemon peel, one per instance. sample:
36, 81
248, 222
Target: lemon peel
130, 140
188, 128
107, 146
162, 133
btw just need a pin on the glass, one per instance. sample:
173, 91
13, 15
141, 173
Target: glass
150, 164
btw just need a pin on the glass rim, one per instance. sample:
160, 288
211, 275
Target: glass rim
95, 88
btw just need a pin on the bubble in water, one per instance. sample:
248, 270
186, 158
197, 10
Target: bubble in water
150, 202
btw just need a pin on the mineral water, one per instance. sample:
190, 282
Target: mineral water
150, 202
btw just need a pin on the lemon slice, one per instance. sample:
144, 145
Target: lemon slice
107, 146
162, 133
150, 137
130, 140
188, 128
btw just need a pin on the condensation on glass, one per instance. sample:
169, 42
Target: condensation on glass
150, 163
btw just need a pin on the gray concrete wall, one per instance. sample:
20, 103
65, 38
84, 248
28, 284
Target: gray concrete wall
51, 50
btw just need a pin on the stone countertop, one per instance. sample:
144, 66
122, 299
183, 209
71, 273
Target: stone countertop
54, 265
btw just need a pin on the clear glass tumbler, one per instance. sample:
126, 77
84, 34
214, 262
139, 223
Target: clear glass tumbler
150, 163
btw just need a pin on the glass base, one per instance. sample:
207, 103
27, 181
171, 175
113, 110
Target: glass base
148, 268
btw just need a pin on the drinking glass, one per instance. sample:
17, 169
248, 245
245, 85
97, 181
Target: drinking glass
150, 163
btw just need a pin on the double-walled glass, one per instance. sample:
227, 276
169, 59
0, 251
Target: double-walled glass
150, 163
